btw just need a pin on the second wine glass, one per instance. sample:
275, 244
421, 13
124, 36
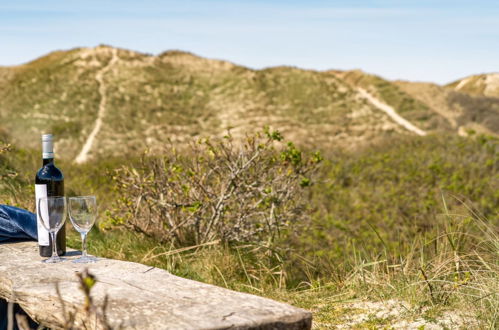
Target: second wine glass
82, 213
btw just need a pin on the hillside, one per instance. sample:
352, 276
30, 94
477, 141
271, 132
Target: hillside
431, 106
410, 108
106, 101
399, 218
482, 85
463, 111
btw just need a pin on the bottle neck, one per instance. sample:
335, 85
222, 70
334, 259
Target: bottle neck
47, 147
47, 161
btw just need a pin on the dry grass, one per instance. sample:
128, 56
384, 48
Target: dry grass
448, 280
447, 274
181, 97
456, 271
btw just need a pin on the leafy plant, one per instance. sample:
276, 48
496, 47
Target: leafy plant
12, 185
222, 190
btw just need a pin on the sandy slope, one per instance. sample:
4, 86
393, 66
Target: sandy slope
390, 112
83, 155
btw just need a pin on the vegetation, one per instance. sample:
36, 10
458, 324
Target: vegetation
178, 96
381, 198
479, 109
413, 221
409, 107
175, 95
467, 112
481, 84
385, 216
95, 315
13, 187
222, 191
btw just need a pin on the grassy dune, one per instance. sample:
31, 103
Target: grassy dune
178, 96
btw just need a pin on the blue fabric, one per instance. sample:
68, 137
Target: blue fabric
17, 224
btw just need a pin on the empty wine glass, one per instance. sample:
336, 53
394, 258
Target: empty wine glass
82, 212
52, 212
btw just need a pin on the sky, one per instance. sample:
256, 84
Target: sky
435, 41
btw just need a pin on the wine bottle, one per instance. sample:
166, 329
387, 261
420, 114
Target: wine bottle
49, 181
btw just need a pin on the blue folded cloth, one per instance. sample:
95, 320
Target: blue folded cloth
17, 224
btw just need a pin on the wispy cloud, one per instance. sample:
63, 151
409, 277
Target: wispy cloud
422, 40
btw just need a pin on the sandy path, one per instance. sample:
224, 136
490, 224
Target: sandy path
83, 155
462, 83
391, 112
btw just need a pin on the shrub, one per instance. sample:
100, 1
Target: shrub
378, 200
222, 190
12, 185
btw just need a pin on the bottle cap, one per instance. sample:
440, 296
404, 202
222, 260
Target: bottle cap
47, 137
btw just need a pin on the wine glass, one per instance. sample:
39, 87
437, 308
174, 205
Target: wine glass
82, 212
52, 212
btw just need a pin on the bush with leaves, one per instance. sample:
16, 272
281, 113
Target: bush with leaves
12, 185
379, 199
222, 190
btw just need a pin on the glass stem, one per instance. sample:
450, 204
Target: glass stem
84, 244
54, 245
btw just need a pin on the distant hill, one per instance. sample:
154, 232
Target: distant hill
412, 109
482, 85
464, 111
106, 101
432, 106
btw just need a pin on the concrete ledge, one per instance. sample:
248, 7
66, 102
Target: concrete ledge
140, 297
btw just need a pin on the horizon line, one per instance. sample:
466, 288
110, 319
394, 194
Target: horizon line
322, 70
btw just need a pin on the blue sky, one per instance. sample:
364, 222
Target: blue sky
437, 41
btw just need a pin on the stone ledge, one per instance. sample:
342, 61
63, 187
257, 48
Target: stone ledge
140, 297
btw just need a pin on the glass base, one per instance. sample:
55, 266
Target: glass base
53, 260
85, 260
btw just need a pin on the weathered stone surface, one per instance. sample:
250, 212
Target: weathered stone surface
140, 297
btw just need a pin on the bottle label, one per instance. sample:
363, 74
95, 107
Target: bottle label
43, 234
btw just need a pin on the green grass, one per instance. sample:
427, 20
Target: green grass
379, 199
415, 221
329, 298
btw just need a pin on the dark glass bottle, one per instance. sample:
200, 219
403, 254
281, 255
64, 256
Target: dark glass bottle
49, 181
